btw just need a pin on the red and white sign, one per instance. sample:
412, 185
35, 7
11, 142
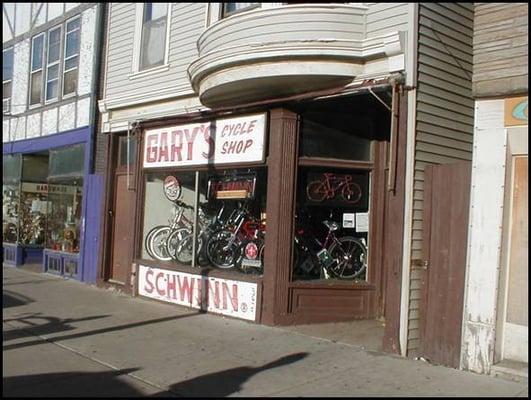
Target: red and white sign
223, 141
221, 296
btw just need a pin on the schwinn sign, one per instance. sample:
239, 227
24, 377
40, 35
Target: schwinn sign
223, 141
222, 296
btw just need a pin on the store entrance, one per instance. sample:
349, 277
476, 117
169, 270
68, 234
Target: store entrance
122, 213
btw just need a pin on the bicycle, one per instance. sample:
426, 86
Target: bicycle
344, 257
330, 184
156, 241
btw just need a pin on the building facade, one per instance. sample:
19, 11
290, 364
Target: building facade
495, 326
51, 198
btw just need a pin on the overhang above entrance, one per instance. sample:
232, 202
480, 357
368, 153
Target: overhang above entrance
288, 50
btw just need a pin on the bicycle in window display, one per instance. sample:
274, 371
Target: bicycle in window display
343, 257
330, 184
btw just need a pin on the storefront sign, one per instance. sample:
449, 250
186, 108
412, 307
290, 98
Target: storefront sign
222, 296
231, 187
45, 188
516, 111
223, 141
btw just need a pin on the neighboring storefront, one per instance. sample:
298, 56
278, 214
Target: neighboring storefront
269, 215
44, 206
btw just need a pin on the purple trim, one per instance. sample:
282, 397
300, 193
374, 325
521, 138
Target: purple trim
32, 255
12, 254
79, 135
92, 214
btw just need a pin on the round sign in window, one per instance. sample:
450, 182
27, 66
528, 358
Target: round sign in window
251, 251
172, 188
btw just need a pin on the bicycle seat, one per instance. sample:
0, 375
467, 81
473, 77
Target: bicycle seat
331, 225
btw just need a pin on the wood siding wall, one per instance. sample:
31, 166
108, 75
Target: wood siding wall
445, 114
187, 23
500, 49
386, 17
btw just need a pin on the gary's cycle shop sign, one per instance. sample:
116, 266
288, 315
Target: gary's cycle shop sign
223, 141
222, 296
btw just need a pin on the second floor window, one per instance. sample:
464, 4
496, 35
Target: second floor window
7, 77
55, 63
232, 8
154, 29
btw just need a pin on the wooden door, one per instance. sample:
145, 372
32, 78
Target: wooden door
122, 230
446, 209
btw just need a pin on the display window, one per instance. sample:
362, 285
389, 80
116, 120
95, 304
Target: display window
229, 230
10, 196
64, 215
33, 199
65, 195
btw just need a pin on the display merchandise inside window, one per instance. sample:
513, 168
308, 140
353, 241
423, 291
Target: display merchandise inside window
64, 215
230, 228
10, 196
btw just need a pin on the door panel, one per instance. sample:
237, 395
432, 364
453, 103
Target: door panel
446, 208
122, 233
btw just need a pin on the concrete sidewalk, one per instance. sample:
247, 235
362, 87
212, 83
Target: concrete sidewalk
63, 338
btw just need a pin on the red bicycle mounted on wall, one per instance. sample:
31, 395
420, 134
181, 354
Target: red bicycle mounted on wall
330, 185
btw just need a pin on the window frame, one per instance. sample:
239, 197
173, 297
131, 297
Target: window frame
225, 14
65, 59
137, 44
41, 69
50, 65
8, 81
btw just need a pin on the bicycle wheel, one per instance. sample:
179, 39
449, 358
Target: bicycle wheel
315, 191
158, 242
350, 258
351, 193
184, 249
220, 252
147, 240
174, 239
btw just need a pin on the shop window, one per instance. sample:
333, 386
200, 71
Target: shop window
230, 228
7, 78
10, 195
331, 224
65, 188
33, 200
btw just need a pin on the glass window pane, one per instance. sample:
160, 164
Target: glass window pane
53, 72
70, 82
38, 44
153, 11
71, 63
7, 64
67, 161
123, 151
153, 44
12, 164
230, 8
52, 89
6, 90
74, 24
72, 43
10, 200
331, 224
54, 45
36, 88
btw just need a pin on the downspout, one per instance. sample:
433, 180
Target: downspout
411, 81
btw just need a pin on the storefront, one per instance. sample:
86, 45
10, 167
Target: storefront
276, 216
44, 202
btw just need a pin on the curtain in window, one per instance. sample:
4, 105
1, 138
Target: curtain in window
153, 36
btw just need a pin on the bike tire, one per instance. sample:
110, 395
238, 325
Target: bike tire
356, 261
219, 256
174, 239
313, 193
351, 193
158, 244
148, 239
184, 249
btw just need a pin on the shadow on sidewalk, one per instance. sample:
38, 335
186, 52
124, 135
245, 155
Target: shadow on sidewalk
71, 384
224, 383
62, 324
12, 299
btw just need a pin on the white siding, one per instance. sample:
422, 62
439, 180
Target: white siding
386, 17
20, 77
